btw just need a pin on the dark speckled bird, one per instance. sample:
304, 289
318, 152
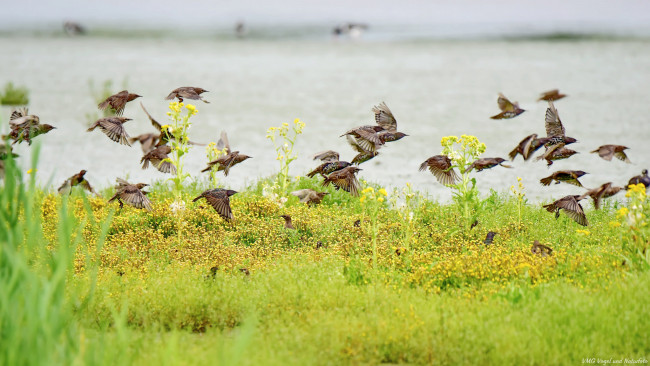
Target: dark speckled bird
157, 158
607, 152
555, 130
25, 126
508, 108
489, 238
440, 166
363, 155
118, 101
309, 196
366, 137
599, 193
551, 95
132, 194
187, 92
113, 127
571, 207
76, 180
287, 222
226, 162
219, 199
486, 163
528, 146
643, 178
345, 179
556, 152
566, 176
540, 249
328, 168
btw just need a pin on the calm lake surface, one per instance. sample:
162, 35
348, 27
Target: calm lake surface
435, 88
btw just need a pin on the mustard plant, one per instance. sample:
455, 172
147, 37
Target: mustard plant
213, 153
519, 193
178, 128
636, 229
465, 192
284, 139
372, 201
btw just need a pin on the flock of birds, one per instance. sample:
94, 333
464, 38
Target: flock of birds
366, 141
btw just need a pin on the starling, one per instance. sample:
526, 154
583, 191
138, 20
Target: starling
597, 194
118, 101
571, 207
567, 176
540, 249
309, 196
24, 127
346, 179
132, 194
287, 222
245, 271
390, 136
113, 127
440, 166
187, 92
328, 168
551, 95
77, 179
165, 136
226, 162
643, 179
147, 141
489, 237
555, 129
219, 199
326, 156
159, 159
528, 146
608, 151
363, 155
486, 163
556, 152
508, 109
384, 117
366, 137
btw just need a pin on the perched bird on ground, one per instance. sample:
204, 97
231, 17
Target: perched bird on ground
541, 249
165, 135
440, 166
597, 194
118, 101
608, 151
345, 179
571, 207
528, 146
486, 163
363, 155
113, 127
643, 178
566, 176
219, 199
157, 158
309, 196
147, 141
77, 179
508, 109
551, 95
132, 194
187, 92
245, 271
489, 237
287, 222
25, 126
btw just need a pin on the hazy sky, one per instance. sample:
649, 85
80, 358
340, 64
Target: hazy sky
607, 14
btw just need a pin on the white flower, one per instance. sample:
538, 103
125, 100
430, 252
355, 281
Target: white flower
177, 206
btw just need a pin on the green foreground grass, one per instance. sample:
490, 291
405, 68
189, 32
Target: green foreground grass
86, 284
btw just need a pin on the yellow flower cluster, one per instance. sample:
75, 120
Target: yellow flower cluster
369, 194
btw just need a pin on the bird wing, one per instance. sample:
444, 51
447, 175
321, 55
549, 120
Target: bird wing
553, 123
155, 123
223, 142
620, 155
115, 131
327, 156
573, 209
85, 185
134, 197
221, 205
384, 117
504, 104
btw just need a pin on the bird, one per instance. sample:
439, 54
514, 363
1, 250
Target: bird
597, 194
557, 152
508, 109
326, 156
643, 179
345, 179
219, 198
441, 167
489, 237
608, 151
113, 127
540, 249
385, 119
309, 196
486, 163
147, 141
287, 222
159, 158
528, 146
567, 176
245, 271
132, 194
77, 179
571, 207
366, 137
225, 162
118, 101
187, 92
328, 168
555, 149
165, 135
551, 95
363, 155
25, 126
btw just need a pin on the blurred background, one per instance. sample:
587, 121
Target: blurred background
439, 66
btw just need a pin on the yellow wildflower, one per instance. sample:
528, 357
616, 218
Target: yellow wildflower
383, 191
380, 199
363, 198
585, 232
622, 212
614, 224
30, 171
192, 109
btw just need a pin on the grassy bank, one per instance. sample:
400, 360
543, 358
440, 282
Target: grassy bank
360, 281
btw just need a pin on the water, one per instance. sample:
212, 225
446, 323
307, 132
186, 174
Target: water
435, 88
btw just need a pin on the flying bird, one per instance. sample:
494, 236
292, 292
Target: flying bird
567, 176
508, 109
132, 194
608, 151
219, 198
76, 180
440, 166
551, 95
555, 149
113, 127
528, 146
571, 207
187, 92
486, 163
309, 196
597, 194
165, 134
147, 141
363, 155
118, 101
225, 162
159, 158
345, 179
25, 126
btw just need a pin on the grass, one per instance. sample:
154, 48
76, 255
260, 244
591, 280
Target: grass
92, 285
13, 95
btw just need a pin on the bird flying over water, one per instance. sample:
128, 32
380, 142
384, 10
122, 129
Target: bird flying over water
113, 127
118, 101
187, 92
157, 158
441, 167
508, 108
25, 126
551, 95
345, 179
567, 176
599, 193
528, 146
608, 151
486, 163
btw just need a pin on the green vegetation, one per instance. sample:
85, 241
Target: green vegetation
13, 95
